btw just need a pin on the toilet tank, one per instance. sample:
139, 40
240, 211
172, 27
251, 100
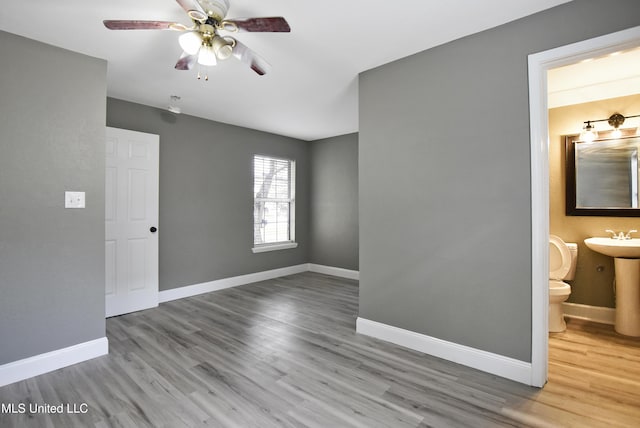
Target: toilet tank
573, 249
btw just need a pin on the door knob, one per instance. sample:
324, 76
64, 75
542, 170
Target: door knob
153, 229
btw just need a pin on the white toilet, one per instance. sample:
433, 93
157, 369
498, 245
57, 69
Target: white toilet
562, 266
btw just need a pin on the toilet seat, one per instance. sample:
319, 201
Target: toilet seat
559, 258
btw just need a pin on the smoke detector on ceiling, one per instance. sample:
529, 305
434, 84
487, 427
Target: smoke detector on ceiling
173, 104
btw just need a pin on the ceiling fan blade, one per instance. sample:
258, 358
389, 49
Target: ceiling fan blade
193, 9
216, 9
188, 5
186, 61
142, 25
275, 24
252, 59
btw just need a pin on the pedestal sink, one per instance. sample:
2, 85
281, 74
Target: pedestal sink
626, 254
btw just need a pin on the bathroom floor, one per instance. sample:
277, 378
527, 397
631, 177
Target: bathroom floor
598, 369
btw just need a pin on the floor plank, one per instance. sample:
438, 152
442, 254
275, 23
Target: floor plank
284, 353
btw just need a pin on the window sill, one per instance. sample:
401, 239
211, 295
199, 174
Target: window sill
274, 247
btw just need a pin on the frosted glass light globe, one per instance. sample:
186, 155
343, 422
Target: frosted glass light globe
190, 42
207, 56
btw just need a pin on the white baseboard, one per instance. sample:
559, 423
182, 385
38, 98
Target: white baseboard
329, 270
221, 284
54, 360
598, 314
499, 365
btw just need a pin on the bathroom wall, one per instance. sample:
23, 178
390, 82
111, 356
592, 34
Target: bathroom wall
590, 286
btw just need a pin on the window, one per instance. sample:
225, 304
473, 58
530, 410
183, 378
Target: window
273, 203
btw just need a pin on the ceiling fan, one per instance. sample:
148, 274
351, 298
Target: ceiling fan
202, 43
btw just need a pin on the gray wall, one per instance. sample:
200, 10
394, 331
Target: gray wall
206, 200
334, 202
445, 223
52, 118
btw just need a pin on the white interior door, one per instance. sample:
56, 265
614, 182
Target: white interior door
131, 221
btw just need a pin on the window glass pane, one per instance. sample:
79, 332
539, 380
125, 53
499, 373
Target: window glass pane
271, 177
274, 227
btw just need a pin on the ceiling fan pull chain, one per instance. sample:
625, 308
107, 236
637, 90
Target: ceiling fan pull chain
201, 75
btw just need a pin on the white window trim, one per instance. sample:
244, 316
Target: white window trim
283, 245
274, 247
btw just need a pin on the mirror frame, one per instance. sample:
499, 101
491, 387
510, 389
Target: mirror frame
570, 180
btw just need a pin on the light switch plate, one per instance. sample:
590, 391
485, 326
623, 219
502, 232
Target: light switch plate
74, 199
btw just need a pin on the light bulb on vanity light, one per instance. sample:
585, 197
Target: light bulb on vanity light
616, 120
588, 133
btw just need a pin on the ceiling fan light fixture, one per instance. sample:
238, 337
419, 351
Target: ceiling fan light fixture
223, 47
202, 43
206, 56
190, 42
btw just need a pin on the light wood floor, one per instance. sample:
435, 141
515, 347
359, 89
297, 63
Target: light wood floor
284, 353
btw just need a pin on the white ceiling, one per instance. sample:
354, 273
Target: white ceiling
311, 91
610, 76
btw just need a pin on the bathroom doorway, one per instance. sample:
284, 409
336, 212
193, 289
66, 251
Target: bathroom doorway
539, 65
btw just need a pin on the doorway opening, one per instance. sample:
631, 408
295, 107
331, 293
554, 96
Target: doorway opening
539, 64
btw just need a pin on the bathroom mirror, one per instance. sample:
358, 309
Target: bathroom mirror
602, 176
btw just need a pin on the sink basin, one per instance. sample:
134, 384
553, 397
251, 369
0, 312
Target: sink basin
622, 248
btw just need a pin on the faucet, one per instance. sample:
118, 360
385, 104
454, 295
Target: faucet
620, 235
613, 234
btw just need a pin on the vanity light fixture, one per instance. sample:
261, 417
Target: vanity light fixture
588, 133
616, 120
